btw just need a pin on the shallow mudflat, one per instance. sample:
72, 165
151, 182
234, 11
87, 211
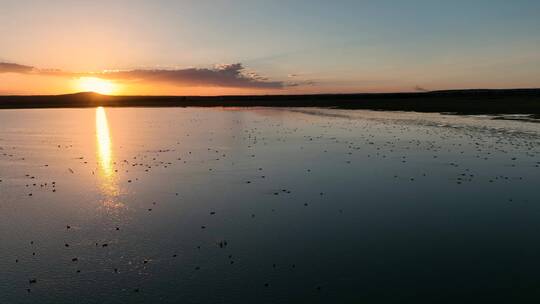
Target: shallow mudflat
233, 205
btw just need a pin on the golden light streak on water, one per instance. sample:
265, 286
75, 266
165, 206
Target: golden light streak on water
103, 142
106, 174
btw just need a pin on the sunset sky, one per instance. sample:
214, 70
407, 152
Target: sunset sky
266, 47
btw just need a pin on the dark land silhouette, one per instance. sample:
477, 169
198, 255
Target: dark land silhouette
505, 101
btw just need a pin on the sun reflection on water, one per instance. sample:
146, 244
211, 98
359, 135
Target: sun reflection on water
104, 142
109, 185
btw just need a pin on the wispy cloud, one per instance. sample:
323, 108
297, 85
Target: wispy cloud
225, 75
6, 67
420, 89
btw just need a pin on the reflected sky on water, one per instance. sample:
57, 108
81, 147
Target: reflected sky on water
266, 205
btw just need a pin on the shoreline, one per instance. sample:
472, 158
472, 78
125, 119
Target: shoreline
465, 102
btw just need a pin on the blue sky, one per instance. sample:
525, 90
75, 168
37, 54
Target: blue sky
322, 46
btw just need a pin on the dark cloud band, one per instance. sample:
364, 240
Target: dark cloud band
15, 68
227, 75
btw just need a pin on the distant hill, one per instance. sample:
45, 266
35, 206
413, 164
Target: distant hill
480, 101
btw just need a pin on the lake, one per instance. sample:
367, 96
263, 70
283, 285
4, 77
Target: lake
264, 205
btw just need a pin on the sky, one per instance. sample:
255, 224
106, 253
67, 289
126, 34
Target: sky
223, 47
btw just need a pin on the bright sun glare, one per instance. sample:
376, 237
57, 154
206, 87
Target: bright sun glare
97, 85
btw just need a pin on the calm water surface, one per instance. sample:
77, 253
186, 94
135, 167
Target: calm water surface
189, 205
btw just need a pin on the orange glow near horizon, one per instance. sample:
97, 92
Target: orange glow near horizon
97, 85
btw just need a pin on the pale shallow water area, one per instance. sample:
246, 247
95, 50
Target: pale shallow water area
211, 205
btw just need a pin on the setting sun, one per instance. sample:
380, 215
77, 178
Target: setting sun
97, 85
